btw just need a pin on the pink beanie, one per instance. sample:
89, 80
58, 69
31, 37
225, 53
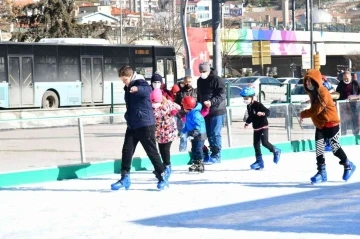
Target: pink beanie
156, 96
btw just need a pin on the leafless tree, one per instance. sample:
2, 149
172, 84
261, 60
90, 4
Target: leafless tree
167, 30
229, 48
355, 60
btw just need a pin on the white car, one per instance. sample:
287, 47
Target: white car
288, 80
271, 88
236, 100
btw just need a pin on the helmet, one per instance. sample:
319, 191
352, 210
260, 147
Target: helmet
188, 103
175, 88
327, 85
247, 92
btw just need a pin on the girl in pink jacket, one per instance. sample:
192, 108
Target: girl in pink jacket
166, 129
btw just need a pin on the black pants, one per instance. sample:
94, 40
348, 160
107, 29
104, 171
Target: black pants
165, 152
146, 136
263, 136
333, 135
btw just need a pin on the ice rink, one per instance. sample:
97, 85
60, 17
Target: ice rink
228, 201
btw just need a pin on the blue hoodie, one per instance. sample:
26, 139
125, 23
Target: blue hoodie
195, 124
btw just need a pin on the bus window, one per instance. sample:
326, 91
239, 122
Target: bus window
45, 68
160, 68
2, 70
169, 73
112, 65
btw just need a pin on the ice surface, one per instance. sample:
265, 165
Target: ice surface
227, 201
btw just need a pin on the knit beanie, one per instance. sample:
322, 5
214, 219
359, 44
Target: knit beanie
156, 96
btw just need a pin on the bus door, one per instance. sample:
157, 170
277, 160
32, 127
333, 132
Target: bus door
166, 68
92, 79
21, 81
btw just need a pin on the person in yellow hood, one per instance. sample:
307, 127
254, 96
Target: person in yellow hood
324, 115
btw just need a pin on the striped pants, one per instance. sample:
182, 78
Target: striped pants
333, 135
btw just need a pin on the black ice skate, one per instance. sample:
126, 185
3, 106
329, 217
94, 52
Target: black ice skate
197, 166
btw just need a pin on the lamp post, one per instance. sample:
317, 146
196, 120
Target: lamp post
183, 12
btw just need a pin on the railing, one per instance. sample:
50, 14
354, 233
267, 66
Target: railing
74, 139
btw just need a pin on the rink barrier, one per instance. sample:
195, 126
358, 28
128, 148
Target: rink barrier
84, 170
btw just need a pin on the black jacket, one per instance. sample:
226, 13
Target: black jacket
184, 92
257, 121
213, 89
341, 86
139, 112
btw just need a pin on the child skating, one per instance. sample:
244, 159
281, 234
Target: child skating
194, 128
166, 130
258, 114
325, 118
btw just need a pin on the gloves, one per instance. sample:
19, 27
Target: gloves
190, 138
173, 112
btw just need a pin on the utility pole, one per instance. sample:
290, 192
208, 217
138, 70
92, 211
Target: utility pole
217, 61
121, 22
183, 14
293, 15
307, 15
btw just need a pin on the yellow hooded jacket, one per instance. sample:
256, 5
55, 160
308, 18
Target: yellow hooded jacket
323, 111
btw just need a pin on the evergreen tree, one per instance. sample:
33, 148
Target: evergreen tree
54, 19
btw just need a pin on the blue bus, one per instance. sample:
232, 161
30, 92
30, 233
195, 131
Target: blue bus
68, 72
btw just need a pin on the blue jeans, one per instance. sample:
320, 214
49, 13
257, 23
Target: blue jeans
213, 131
197, 149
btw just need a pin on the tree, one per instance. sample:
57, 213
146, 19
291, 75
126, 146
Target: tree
230, 48
54, 18
167, 30
355, 60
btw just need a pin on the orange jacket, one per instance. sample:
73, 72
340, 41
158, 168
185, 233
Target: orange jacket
323, 110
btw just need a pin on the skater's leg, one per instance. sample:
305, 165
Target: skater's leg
197, 152
165, 155
259, 163
213, 131
129, 146
256, 142
269, 146
319, 146
265, 140
128, 150
146, 135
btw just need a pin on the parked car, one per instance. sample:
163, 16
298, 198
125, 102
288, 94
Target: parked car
270, 88
237, 101
288, 80
333, 81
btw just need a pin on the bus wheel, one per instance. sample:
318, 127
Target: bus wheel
50, 100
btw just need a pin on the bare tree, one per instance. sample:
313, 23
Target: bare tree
167, 30
355, 60
229, 48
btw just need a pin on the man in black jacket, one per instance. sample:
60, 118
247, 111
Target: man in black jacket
211, 92
141, 123
349, 89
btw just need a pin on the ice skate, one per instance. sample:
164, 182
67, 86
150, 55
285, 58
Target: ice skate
349, 169
259, 163
320, 176
277, 153
168, 171
197, 166
124, 182
163, 182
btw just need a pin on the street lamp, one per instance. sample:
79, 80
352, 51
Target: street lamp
311, 35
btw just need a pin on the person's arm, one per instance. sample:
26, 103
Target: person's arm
143, 88
317, 107
219, 94
198, 93
265, 110
249, 118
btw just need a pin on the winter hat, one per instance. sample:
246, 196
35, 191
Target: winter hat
204, 67
175, 88
156, 96
156, 77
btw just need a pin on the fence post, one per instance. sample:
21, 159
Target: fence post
338, 112
112, 103
228, 93
228, 128
288, 93
287, 122
81, 139
259, 93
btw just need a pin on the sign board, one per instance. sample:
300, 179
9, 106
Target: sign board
261, 53
320, 49
306, 61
